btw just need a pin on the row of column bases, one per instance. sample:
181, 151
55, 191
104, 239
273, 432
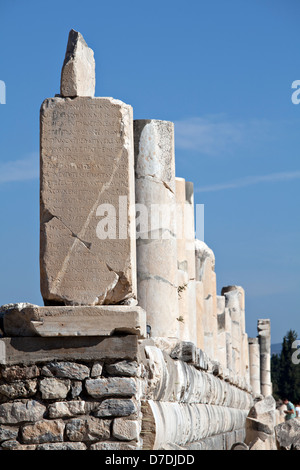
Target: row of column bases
176, 272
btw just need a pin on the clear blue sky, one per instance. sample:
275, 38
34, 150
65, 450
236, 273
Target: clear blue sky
222, 71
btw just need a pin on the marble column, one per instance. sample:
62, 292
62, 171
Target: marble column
156, 225
186, 260
264, 335
207, 306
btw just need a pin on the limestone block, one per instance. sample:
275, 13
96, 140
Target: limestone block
115, 407
66, 409
52, 388
43, 431
125, 429
78, 72
114, 445
87, 236
32, 320
92, 348
7, 432
58, 446
87, 429
119, 386
156, 236
20, 389
19, 411
288, 435
123, 368
66, 370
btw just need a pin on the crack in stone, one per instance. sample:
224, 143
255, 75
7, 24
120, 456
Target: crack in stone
48, 216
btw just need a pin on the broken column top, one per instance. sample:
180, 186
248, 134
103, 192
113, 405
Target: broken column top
78, 71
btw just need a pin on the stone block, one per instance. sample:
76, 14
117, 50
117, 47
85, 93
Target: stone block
43, 431
32, 320
88, 429
66, 370
78, 72
19, 411
36, 349
115, 407
125, 429
52, 388
87, 248
115, 386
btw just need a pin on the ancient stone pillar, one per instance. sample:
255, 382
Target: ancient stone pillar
221, 316
186, 260
234, 296
205, 265
87, 249
156, 225
254, 359
264, 335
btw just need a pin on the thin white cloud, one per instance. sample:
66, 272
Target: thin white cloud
20, 170
216, 135
251, 180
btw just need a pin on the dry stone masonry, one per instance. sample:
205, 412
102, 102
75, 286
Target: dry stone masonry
133, 348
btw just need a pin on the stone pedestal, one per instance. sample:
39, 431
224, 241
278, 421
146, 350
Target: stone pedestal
156, 225
87, 252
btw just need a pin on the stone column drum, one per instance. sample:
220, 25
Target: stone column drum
156, 225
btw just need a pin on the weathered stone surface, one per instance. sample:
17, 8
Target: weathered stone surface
43, 431
78, 72
264, 335
76, 388
97, 369
31, 320
19, 389
14, 373
67, 370
288, 435
239, 446
88, 429
115, 407
28, 350
18, 411
87, 249
260, 424
156, 225
187, 326
15, 445
113, 445
123, 368
118, 386
65, 409
52, 388
254, 357
125, 429
62, 446
7, 433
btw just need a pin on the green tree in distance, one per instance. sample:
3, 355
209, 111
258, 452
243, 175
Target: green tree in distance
286, 375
